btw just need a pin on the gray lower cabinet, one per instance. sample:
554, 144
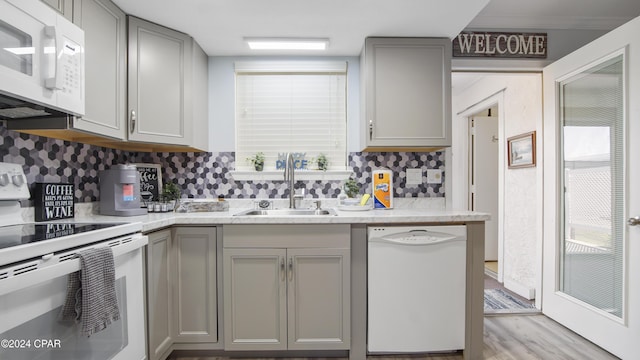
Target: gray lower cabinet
181, 290
159, 294
318, 299
194, 295
286, 287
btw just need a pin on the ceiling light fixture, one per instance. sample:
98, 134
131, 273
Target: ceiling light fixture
287, 43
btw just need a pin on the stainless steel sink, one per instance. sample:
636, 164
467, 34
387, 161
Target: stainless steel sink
287, 212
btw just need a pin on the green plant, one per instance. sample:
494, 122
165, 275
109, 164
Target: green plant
351, 188
323, 162
257, 160
170, 191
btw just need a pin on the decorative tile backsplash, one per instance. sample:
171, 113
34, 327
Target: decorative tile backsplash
201, 175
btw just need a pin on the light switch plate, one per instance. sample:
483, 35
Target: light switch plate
434, 176
414, 176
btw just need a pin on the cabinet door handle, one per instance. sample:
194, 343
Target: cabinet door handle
282, 269
290, 269
132, 121
370, 130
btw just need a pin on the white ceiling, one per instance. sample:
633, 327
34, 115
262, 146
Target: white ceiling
220, 25
556, 14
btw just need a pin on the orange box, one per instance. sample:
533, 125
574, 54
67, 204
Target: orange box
382, 190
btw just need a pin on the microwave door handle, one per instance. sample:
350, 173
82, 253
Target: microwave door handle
55, 82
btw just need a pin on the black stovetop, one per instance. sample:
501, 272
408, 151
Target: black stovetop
15, 235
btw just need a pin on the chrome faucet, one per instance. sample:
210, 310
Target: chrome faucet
289, 175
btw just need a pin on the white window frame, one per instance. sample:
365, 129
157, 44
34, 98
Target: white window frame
337, 166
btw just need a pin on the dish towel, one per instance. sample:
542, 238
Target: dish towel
91, 293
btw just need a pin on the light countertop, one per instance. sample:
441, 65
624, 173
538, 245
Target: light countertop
155, 221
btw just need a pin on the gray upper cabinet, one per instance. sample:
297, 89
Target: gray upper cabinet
406, 99
146, 86
65, 7
286, 287
159, 68
105, 31
198, 111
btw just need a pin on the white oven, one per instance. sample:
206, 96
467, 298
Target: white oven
32, 293
41, 61
35, 262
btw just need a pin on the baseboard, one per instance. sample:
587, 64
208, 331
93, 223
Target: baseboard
524, 291
491, 274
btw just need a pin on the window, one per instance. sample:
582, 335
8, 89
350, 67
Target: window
296, 106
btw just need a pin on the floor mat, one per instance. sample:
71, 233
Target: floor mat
498, 301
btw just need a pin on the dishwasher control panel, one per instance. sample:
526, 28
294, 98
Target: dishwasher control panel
417, 235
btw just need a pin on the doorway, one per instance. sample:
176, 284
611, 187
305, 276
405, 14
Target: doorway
515, 99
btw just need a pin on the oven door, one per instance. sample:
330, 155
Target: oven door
31, 302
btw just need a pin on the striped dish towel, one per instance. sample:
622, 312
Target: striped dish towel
91, 294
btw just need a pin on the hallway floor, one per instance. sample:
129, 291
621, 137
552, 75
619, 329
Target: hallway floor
491, 282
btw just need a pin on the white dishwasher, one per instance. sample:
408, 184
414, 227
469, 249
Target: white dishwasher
416, 288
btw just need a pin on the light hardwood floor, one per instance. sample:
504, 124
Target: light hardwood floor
516, 337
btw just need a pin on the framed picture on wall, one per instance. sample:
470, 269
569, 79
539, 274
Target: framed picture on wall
521, 150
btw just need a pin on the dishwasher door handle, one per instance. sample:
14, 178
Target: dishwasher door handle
418, 240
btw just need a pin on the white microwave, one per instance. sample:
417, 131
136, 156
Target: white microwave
41, 61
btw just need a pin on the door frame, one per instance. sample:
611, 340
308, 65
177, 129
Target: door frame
474, 164
463, 156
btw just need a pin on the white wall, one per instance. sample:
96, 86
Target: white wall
520, 106
222, 99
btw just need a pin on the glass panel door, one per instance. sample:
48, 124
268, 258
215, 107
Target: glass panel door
591, 252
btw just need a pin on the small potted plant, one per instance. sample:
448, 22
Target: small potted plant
257, 160
323, 162
170, 193
351, 188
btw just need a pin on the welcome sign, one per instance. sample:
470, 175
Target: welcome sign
53, 201
500, 45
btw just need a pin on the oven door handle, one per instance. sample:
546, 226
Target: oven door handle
50, 267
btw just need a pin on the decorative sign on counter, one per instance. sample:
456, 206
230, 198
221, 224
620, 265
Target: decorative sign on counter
299, 161
53, 201
500, 45
150, 182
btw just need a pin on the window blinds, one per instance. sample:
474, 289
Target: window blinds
291, 107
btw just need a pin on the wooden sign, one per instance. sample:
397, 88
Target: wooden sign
53, 201
500, 45
150, 182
